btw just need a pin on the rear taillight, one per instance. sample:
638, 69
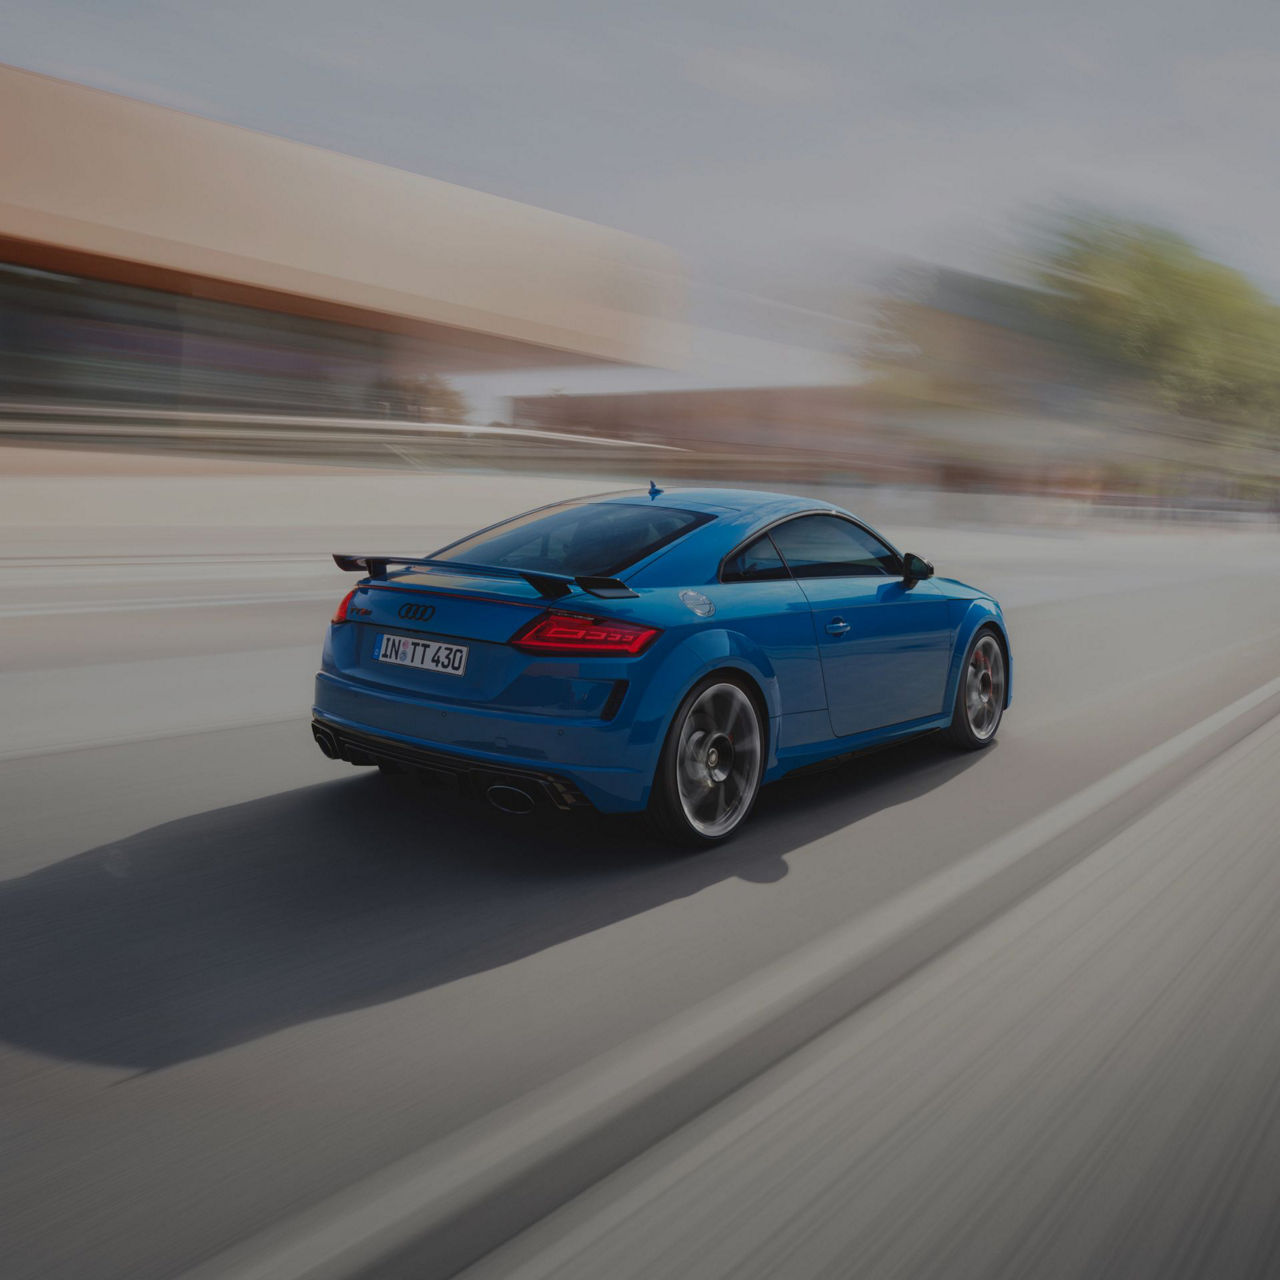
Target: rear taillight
340, 613
580, 637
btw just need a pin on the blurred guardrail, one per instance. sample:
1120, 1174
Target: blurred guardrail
394, 444
399, 444
289, 436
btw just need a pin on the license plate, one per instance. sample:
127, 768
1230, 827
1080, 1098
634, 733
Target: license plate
430, 655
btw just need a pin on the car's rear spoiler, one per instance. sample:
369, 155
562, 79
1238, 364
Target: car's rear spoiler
551, 586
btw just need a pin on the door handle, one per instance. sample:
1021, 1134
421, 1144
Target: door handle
837, 627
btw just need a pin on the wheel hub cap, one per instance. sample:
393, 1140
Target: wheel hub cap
719, 758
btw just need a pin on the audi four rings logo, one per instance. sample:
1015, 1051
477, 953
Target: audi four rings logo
417, 612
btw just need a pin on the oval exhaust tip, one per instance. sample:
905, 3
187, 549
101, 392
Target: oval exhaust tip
326, 742
509, 799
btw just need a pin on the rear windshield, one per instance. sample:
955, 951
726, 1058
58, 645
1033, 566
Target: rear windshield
584, 539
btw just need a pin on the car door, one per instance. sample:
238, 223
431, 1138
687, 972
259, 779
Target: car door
759, 599
885, 646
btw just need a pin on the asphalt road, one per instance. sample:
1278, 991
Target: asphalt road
1089, 1087
238, 977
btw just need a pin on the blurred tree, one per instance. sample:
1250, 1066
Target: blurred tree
1147, 306
426, 397
954, 338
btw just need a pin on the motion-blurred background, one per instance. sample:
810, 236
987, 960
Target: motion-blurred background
283, 279
950, 251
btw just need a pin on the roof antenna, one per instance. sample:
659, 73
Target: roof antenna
654, 491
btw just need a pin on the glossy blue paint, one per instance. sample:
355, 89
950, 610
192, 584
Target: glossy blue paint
885, 650
600, 722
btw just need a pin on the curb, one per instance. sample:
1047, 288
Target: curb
444, 1207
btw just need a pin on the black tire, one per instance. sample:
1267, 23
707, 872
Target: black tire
715, 712
980, 693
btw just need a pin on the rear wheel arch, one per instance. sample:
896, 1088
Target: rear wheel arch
738, 675
703, 653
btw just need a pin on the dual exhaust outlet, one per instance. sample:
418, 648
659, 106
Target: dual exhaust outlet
503, 796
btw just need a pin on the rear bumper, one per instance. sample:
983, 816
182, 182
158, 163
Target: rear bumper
571, 763
471, 776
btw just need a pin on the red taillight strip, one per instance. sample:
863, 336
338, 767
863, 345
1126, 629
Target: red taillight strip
579, 636
340, 613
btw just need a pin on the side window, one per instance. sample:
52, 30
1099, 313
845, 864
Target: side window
760, 562
829, 547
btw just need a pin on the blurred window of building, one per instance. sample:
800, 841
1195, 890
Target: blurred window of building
71, 339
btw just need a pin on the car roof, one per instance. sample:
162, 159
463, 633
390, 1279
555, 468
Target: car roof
756, 502
738, 513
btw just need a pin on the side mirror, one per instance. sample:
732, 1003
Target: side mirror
914, 569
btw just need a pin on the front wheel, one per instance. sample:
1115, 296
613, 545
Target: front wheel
711, 763
980, 694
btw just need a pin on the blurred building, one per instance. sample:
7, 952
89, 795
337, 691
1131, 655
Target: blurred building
953, 335
721, 417
964, 377
969, 385
760, 433
149, 256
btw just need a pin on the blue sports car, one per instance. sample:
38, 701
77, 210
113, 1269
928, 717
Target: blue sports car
664, 652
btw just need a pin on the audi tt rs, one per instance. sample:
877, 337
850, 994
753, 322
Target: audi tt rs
665, 652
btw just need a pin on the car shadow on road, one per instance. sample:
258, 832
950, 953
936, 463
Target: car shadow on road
223, 927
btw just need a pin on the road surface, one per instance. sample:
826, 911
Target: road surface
1088, 1087
239, 977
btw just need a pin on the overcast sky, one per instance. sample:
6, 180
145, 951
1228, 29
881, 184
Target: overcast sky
779, 148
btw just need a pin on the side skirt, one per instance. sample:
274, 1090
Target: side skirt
841, 755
